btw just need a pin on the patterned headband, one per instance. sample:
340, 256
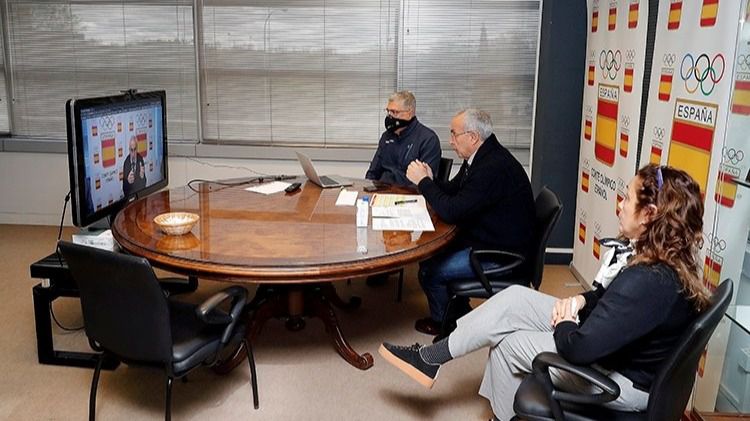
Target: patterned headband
659, 178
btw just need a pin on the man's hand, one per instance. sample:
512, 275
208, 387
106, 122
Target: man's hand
418, 170
131, 177
567, 309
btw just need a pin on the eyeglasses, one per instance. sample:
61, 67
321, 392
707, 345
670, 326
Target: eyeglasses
456, 135
393, 112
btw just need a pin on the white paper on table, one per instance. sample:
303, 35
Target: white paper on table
400, 212
402, 224
346, 198
390, 200
269, 188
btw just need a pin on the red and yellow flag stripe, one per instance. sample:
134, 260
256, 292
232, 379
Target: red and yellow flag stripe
675, 13
582, 232
726, 190
633, 15
595, 21
665, 85
708, 12
587, 129
596, 248
741, 97
612, 21
624, 138
585, 181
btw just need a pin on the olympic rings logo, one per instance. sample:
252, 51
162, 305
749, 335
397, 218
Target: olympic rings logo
107, 122
630, 55
743, 61
669, 60
717, 245
609, 62
732, 155
625, 120
659, 132
141, 119
703, 71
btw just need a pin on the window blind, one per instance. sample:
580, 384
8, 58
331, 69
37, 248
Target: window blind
66, 49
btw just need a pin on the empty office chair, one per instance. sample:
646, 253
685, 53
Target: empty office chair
127, 316
513, 270
536, 399
444, 173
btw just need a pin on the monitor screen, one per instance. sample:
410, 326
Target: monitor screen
117, 150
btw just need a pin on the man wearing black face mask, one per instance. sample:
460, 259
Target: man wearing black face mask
404, 140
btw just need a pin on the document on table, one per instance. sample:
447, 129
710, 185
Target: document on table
269, 188
402, 224
389, 200
346, 198
398, 212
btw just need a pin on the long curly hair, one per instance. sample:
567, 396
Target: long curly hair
675, 233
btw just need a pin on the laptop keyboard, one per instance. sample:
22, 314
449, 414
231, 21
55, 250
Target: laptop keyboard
327, 181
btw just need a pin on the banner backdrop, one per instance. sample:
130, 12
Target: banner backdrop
616, 46
688, 120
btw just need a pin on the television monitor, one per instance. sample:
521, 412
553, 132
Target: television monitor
117, 151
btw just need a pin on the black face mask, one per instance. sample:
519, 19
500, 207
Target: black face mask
392, 123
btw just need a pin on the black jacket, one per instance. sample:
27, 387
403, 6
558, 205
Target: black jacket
491, 202
139, 182
396, 152
632, 327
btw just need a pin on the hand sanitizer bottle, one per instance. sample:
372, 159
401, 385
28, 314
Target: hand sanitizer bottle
363, 211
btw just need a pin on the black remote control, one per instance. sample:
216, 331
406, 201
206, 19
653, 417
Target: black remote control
293, 187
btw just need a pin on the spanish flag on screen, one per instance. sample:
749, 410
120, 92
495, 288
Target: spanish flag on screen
692, 139
712, 271
624, 144
606, 124
665, 84
94, 131
627, 82
612, 18
596, 248
675, 13
587, 129
741, 97
655, 157
142, 144
633, 15
590, 78
584, 181
582, 232
708, 12
108, 152
595, 20
726, 190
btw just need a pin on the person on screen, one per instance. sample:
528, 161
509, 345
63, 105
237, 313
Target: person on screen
133, 170
649, 291
404, 140
490, 200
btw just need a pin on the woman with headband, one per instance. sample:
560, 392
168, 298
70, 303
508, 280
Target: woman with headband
626, 327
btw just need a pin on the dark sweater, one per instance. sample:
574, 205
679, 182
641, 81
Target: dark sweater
396, 151
491, 202
632, 327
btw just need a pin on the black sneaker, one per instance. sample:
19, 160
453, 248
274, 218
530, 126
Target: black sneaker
408, 360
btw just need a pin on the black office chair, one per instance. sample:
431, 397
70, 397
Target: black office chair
128, 317
444, 173
513, 269
536, 399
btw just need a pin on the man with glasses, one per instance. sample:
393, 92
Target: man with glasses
133, 170
404, 140
490, 200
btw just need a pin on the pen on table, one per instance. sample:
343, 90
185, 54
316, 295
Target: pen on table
401, 202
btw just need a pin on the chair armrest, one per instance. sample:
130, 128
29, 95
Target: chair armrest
209, 312
540, 368
507, 260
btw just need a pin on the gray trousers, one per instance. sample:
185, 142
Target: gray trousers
516, 326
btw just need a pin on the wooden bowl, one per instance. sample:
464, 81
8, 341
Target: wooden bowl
176, 223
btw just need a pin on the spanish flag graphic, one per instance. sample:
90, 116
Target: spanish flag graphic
98, 183
94, 131
665, 84
693, 127
585, 181
596, 248
624, 144
606, 124
142, 144
612, 17
590, 78
617, 205
633, 15
655, 157
741, 97
96, 157
151, 166
120, 175
627, 82
130, 126
119, 127
582, 232
150, 145
119, 151
726, 190
150, 123
712, 271
587, 129
595, 20
708, 12
675, 13
108, 152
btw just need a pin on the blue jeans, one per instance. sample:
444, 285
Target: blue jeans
438, 271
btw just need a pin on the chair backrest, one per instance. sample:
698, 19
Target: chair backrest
444, 170
124, 309
671, 389
548, 210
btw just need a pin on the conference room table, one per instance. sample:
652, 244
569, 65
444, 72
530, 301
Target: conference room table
294, 246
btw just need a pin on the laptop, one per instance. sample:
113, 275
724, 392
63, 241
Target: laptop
323, 181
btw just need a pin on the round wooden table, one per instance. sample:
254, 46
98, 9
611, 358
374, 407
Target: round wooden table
293, 245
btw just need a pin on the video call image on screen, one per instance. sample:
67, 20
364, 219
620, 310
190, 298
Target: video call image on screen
123, 150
